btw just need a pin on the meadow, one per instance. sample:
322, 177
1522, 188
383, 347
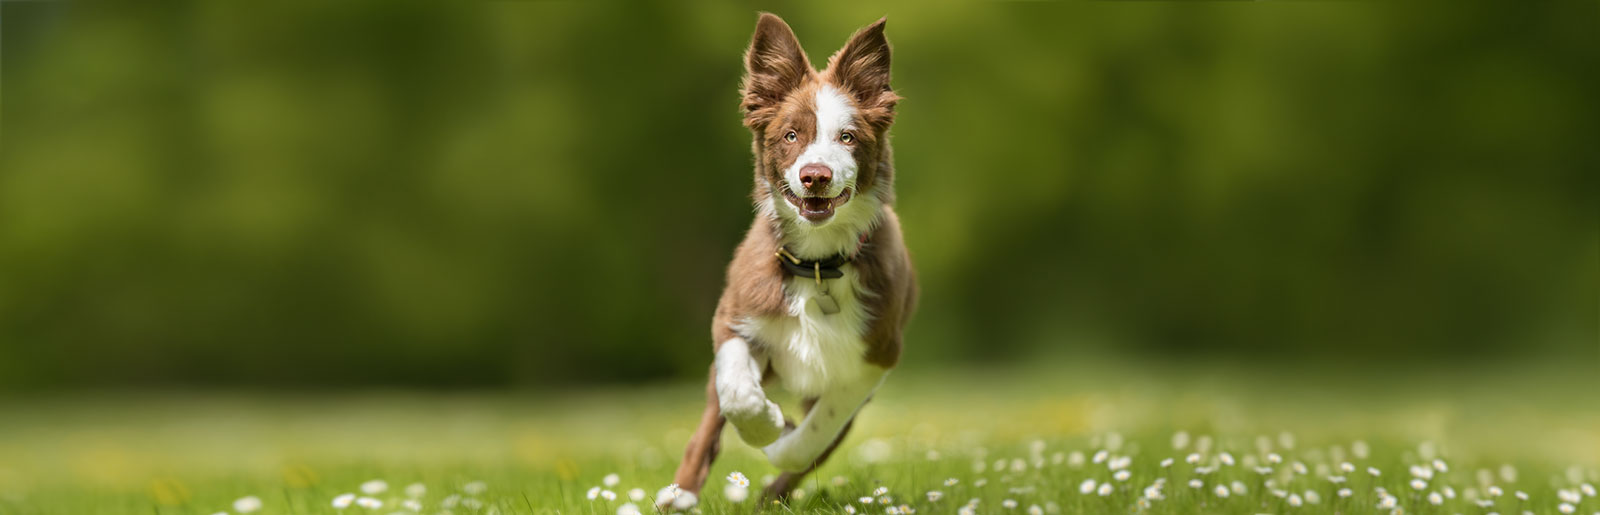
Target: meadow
1094, 436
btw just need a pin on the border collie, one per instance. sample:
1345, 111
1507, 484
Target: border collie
821, 288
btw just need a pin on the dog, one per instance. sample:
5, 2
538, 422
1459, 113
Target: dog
822, 286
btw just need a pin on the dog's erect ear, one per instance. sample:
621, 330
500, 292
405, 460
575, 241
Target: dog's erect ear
774, 66
862, 67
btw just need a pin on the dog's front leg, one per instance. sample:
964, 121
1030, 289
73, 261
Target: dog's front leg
800, 447
739, 393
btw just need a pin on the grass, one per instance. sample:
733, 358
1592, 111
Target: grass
1001, 434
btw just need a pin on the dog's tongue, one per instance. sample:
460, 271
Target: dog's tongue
816, 203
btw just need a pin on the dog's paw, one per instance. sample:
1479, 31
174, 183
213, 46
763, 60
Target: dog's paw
741, 399
673, 499
761, 428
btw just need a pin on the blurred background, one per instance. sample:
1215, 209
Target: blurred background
307, 195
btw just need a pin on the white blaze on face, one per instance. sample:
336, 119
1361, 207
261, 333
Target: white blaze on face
834, 115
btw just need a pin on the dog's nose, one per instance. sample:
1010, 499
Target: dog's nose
816, 177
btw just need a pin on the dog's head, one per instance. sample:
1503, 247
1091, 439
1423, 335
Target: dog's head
822, 153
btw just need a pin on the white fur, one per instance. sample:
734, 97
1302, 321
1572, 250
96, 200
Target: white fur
799, 448
740, 397
810, 350
834, 115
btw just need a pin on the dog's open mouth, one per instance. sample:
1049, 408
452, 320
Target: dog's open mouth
816, 209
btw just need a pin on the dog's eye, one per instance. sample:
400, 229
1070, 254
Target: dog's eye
791, 137
847, 137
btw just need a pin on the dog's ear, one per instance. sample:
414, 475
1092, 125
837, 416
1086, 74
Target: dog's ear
862, 69
774, 66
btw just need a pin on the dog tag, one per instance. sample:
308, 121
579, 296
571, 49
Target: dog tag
826, 303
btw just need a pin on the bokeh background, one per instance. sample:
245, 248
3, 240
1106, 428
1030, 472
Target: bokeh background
300, 195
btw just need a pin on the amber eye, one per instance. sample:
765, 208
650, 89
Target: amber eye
791, 137
847, 137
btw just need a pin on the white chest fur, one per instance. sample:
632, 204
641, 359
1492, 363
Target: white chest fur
808, 349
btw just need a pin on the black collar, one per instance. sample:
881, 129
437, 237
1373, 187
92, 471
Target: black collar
825, 268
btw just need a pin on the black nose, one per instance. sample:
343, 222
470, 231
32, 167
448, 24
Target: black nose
815, 177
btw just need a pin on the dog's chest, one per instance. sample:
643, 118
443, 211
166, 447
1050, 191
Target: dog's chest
810, 349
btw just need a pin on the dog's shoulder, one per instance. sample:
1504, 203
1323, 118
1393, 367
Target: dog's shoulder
754, 284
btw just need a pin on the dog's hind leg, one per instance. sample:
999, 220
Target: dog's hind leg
780, 488
697, 458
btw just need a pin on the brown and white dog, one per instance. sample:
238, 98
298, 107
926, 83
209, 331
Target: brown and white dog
821, 288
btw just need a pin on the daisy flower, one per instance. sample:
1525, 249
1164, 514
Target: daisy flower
1122, 475
1566, 508
1009, 504
343, 501
1086, 486
374, 487
628, 509
1195, 483
735, 493
1294, 500
1222, 491
935, 495
1374, 471
1036, 510
1522, 495
636, 494
738, 479
478, 487
1166, 463
412, 504
1435, 498
951, 482
611, 479
247, 504
594, 493
880, 491
1418, 484
1345, 492
1105, 489
415, 490
369, 503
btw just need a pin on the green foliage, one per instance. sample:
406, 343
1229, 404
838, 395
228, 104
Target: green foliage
309, 193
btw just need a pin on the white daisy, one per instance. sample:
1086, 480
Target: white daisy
1571, 496
1418, 484
1495, 491
594, 493
1009, 504
247, 504
1566, 508
636, 494
1294, 500
1035, 510
738, 479
628, 509
1299, 468
1387, 502
1222, 491
343, 501
849, 509
412, 504
1180, 440
1104, 490
1345, 492
1166, 463
1102, 456
1435, 498
865, 500
1522, 495
951, 482
416, 490
1226, 459
1122, 475
611, 479
478, 487
935, 495
735, 493
369, 503
1587, 489
1374, 471
1440, 465
1347, 467
1274, 458
1086, 486
1238, 487
374, 487
1195, 483
1192, 458
880, 491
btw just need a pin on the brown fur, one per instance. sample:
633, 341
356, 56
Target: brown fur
776, 99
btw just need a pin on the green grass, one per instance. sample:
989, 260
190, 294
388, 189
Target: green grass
195, 453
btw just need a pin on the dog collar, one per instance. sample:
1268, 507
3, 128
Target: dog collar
819, 269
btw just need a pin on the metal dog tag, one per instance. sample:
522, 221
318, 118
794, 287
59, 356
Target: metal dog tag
826, 303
